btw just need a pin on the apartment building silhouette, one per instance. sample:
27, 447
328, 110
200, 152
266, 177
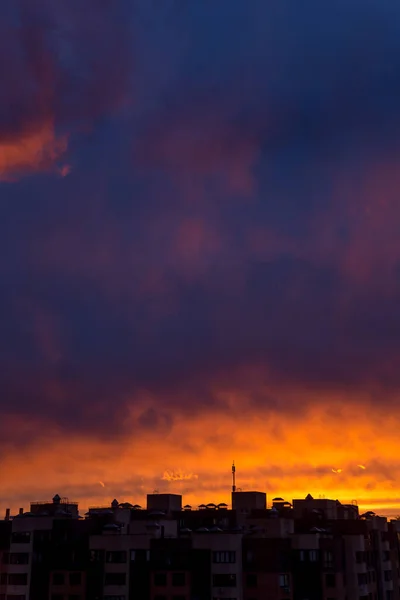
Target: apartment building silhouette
308, 549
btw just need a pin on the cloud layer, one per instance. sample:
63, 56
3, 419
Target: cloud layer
219, 271
62, 69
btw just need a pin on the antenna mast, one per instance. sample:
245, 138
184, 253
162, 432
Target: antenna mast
233, 477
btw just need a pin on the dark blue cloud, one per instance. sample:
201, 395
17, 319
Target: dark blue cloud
223, 156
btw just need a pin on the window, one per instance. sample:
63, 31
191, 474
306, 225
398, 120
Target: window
224, 580
360, 557
330, 580
58, 578
75, 578
43, 536
389, 595
6, 558
160, 579
328, 559
97, 555
18, 579
178, 579
302, 555
224, 557
115, 579
18, 558
140, 555
362, 578
284, 580
3, 579
249, 556
313, 555
251, 580
116, 557
387, 575
386, 555
21, 537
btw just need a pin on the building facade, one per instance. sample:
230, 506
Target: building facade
305, 550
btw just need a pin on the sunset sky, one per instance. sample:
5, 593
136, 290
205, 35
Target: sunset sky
200, 249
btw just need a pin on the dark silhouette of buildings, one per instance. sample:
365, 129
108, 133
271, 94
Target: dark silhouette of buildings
311, 549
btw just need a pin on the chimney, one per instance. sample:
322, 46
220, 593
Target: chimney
21, 511
7, 517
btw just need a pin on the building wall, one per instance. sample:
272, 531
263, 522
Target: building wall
271, 585
328, 508
116, 549
170, 588
24, 527
164, 502
3, 573
247, 501
70, 586
272, 527
226, 562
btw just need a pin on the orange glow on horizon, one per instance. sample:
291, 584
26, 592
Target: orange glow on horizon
286, 456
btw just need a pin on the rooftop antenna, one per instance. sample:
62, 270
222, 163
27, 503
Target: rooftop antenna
233, 477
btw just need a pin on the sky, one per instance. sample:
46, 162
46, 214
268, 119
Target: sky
200, 250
